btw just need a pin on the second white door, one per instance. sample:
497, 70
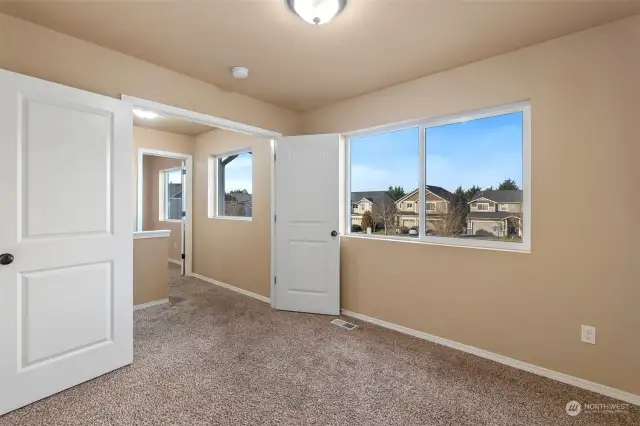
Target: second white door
307, 242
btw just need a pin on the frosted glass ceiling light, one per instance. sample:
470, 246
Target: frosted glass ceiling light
317, 12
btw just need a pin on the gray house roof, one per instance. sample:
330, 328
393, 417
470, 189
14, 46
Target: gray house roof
376, 197
507, 196
240, 197
441, 192
491, 215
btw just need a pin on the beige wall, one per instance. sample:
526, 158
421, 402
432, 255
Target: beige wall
150, 270
236, 252
584, 91
152, 166
39, 52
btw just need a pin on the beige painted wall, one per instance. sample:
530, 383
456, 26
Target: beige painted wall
150, 270
39, 52
236, 252
584, 91
152, 166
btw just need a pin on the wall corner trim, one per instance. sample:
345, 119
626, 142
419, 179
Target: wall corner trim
150, 304
232, 288
521, 365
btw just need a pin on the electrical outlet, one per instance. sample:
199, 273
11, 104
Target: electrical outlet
589, 334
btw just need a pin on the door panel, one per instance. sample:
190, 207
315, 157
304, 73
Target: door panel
66, 303
307, 209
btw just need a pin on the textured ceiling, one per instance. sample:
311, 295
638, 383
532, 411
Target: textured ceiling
373, 44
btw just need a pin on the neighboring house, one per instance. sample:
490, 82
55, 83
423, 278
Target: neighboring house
369, 201
238, 204
436, 207
498, 213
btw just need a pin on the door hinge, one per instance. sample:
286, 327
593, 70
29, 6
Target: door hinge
274, 156
275, 280
184, 214
184, 171
275, 218
183, 257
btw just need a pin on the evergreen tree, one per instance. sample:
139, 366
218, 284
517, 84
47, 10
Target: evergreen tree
396, 192
508, 184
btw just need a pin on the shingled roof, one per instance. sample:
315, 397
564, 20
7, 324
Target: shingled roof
506, 196
376, 197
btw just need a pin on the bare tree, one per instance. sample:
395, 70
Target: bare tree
385, 212
452, 222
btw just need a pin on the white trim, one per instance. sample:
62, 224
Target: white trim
150, 304
272, 266
177, 262
161, 233
232, 288
165, 195
464, 243
478, 209
241, 218
520, 365
188, 228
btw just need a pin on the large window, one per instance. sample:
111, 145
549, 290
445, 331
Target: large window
172, 180
234, 185
470, 172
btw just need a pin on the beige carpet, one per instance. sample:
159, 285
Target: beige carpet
212, 356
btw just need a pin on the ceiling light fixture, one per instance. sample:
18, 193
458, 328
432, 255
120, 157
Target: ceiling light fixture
240, 72
147, 115
317, 12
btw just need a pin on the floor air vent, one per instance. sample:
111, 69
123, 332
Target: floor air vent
343, 324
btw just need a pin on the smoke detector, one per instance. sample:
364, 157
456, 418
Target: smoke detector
240, 72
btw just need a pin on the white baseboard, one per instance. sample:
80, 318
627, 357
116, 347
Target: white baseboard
554, 375
233, 288
150, 304
177, 262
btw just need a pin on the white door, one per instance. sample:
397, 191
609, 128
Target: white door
65, 216
307, 217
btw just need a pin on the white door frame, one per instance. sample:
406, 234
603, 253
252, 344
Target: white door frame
220, 123
188, 223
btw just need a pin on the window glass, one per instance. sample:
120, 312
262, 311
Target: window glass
173, 194
384, 173
235, 185
466, 161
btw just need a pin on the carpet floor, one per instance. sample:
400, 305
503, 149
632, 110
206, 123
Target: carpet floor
212, 356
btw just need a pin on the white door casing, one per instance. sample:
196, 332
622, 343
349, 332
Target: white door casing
307, 256
66, 301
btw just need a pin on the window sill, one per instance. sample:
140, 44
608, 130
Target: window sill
240, 218
171, 220
448, 242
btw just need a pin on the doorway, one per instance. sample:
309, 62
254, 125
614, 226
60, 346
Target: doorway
164, 200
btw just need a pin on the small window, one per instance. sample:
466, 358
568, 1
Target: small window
482, 207
431, 207
172, 194
502, 207
234, 185
354, 206
409, 205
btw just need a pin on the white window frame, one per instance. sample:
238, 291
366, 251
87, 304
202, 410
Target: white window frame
482, 204
435, 207
409, 204
502, 207
521, 107
164, 195
216, 194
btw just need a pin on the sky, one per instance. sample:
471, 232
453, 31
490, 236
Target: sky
238, 174
481, 152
